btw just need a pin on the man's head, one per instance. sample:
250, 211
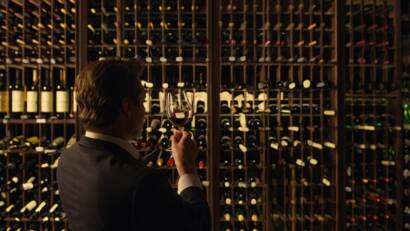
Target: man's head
110, 96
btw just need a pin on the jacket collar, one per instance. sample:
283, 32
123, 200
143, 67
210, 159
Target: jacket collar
123, 144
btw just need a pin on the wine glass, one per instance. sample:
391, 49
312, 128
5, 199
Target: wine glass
178, 107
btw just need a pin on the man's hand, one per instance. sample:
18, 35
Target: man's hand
184, 151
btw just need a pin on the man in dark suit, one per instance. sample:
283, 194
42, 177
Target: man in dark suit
102, 180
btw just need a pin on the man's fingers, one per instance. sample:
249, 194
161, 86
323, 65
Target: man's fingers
177, 136
178, 132
173, 139
185, 135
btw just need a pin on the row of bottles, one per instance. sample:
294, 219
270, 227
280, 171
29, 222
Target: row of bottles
33, 143
369, 34
34, 93
28, 189
38, 33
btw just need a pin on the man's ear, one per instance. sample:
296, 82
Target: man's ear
125, 106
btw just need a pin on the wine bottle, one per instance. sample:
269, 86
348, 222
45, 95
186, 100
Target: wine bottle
4, 100
227, 180
16, 142
57, 143
251, 142
166, 124
201, 83
31, 184
165, 142
201, 142
17, 95
273, 143
253, 175
12, 209
28, 208
285, 141
254, 197
239, 160
281, 85
307, 83
201, 124
254, 214
321, 84
295, 109
4, 143
227, 213
226, 143
240, 214
240, 197
225, 109
40, 211
225, 123
200, 107
239, 178
73, 102
31, 142
254, 123
46, 95
293, 85
62, 96
32, 96
54, 210
227, 198
154, 125
253, 158
155, 108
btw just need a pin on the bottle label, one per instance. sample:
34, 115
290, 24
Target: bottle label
62, 101
46, 101
17, 101
3, 101
32, 101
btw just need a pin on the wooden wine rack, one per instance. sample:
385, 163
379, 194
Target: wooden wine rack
310, 88
35, 35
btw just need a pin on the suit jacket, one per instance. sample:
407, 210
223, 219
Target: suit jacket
102, 187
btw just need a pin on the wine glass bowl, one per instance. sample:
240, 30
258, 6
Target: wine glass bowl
178, 108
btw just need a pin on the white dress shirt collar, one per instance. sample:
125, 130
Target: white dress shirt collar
124, 144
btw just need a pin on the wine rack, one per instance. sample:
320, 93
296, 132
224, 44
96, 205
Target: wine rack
373, 121
299, 105
278, 60
37, 110
405, 61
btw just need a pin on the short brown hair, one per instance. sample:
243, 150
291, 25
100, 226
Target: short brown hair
102, 85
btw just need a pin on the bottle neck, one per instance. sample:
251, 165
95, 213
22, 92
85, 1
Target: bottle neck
46, 79
3, 81
35, 78
18, 80
62, 78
